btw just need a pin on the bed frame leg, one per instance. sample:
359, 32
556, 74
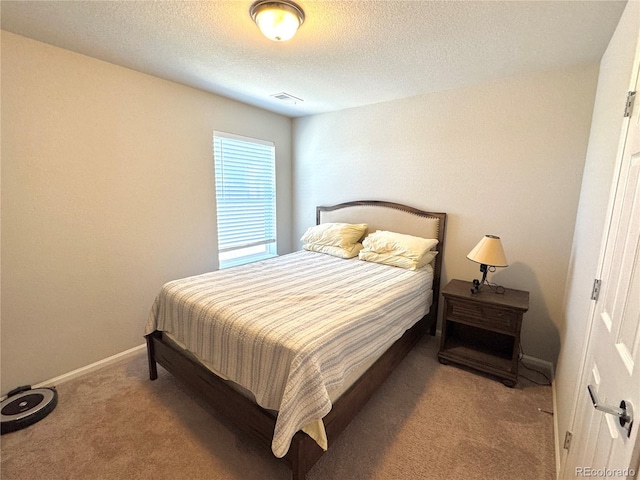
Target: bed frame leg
299, 465
153, 367
298, 473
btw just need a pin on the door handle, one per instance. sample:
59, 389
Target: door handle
624, 412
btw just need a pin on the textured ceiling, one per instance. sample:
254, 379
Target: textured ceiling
346, 54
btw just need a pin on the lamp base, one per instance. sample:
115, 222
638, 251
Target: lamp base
478, 283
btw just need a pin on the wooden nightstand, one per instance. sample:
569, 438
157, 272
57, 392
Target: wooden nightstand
482, 330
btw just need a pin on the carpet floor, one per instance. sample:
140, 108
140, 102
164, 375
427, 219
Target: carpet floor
428, 421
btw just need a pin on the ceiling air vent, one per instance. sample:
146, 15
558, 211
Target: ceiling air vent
285, 97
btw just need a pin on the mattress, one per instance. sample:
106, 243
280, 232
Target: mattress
294, 331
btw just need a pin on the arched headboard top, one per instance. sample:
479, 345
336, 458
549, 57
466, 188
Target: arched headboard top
379, 215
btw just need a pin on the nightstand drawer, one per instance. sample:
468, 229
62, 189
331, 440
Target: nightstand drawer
486, 316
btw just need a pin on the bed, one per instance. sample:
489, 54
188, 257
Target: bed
297, 393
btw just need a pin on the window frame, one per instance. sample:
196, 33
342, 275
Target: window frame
269, 240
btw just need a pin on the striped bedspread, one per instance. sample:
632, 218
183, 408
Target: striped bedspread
290, 329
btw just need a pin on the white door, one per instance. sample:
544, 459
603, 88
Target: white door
602, 447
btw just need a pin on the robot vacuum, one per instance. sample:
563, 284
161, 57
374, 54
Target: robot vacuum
25, 406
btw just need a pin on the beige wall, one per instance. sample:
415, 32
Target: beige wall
504, 158
107, 192
602, 154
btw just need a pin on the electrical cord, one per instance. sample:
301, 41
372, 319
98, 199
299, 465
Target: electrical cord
499, 289
540, 372
495, 288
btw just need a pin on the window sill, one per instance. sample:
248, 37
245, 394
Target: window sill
244, 260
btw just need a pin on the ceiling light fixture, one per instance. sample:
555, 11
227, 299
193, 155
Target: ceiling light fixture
278, 20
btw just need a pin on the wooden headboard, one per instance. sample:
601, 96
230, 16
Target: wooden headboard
394, 217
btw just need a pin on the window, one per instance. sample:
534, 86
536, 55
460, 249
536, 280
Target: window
246, 198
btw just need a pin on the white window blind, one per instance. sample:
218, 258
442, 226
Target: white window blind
246, 198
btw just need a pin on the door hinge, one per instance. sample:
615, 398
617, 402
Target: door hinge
628, 106
595, 292
567, 440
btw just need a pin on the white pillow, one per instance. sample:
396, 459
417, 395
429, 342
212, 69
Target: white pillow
335, 251
399, 244
398, 260
344, 235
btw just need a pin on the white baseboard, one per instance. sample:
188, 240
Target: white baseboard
547, 368
92, 367
556, 431
539, 364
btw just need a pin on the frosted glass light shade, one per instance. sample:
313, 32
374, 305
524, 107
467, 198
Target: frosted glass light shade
489, 251
278, 20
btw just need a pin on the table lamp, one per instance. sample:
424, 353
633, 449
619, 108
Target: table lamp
489, 254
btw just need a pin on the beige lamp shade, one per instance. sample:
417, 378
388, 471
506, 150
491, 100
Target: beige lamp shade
489, 251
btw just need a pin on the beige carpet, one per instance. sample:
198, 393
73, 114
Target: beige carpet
428, 421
